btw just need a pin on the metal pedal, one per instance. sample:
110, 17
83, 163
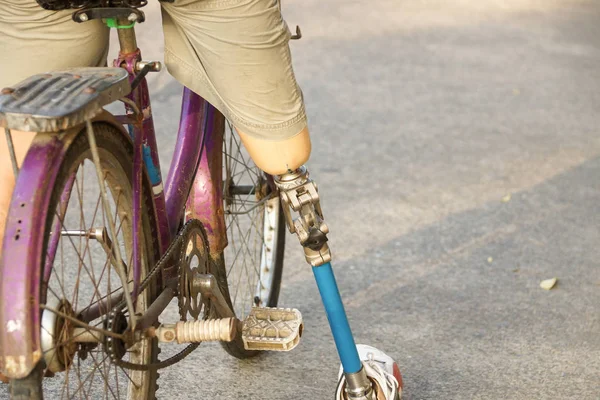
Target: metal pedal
59, 100
273, 329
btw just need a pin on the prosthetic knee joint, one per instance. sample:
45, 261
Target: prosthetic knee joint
299, 194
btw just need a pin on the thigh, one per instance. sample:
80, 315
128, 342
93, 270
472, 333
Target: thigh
236, 54
34, 40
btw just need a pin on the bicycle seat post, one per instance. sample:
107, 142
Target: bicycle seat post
127, 39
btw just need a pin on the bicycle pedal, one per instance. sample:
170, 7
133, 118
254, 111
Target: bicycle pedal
273, 329
210, 330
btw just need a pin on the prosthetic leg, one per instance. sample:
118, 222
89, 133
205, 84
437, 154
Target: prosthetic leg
299, 195
378, 378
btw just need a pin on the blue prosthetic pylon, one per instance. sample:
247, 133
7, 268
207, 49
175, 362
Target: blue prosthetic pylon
338, 321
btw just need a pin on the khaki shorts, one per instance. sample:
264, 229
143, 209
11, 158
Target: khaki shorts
234, 53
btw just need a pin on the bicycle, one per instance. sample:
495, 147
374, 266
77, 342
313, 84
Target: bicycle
91, 319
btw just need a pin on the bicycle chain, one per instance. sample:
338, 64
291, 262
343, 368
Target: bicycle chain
175, 246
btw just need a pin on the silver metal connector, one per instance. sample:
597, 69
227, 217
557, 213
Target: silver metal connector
359, 387
300, 194
155, 66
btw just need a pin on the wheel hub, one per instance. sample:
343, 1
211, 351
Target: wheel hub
58, 346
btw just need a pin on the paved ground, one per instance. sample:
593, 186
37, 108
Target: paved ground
425, 114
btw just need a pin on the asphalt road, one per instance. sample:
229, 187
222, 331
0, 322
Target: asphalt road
425, 116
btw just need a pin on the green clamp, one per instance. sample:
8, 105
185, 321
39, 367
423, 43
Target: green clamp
112, 23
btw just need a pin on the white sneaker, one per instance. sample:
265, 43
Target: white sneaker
381, 368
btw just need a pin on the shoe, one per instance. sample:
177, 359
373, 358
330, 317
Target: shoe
381, 369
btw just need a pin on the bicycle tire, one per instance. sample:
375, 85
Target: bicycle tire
115, 154
245, 174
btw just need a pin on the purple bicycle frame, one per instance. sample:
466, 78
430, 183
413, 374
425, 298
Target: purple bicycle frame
194, 183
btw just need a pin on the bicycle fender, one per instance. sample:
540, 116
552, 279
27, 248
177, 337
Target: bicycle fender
21, 263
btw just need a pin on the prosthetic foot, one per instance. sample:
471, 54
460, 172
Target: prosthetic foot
381, 370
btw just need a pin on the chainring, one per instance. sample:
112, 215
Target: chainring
193, 234
193, 260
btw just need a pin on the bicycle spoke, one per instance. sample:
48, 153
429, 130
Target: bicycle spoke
127, 375
90, 375
247, 251
245, 223
86, 280
82, 262
105, 267
78, 374
111, 225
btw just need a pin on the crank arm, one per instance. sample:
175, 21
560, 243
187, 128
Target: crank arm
208, 286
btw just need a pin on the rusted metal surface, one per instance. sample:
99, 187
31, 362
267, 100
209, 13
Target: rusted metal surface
127, 39
145, 153
205, 201
185, 157
62, 99
21, 264
57, 226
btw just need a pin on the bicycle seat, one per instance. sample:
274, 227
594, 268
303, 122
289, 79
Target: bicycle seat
56, 5
59, 100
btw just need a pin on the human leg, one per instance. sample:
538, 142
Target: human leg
235, 54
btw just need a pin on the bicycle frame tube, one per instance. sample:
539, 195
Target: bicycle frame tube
191, 175
195, 176
205, 200
145, 154
186, 156
201, 128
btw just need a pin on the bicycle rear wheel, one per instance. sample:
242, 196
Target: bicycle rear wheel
80, 287
253, 259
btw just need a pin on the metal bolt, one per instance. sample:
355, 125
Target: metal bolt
89, 90
83, 17
132, 17
169, 335
8, 90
